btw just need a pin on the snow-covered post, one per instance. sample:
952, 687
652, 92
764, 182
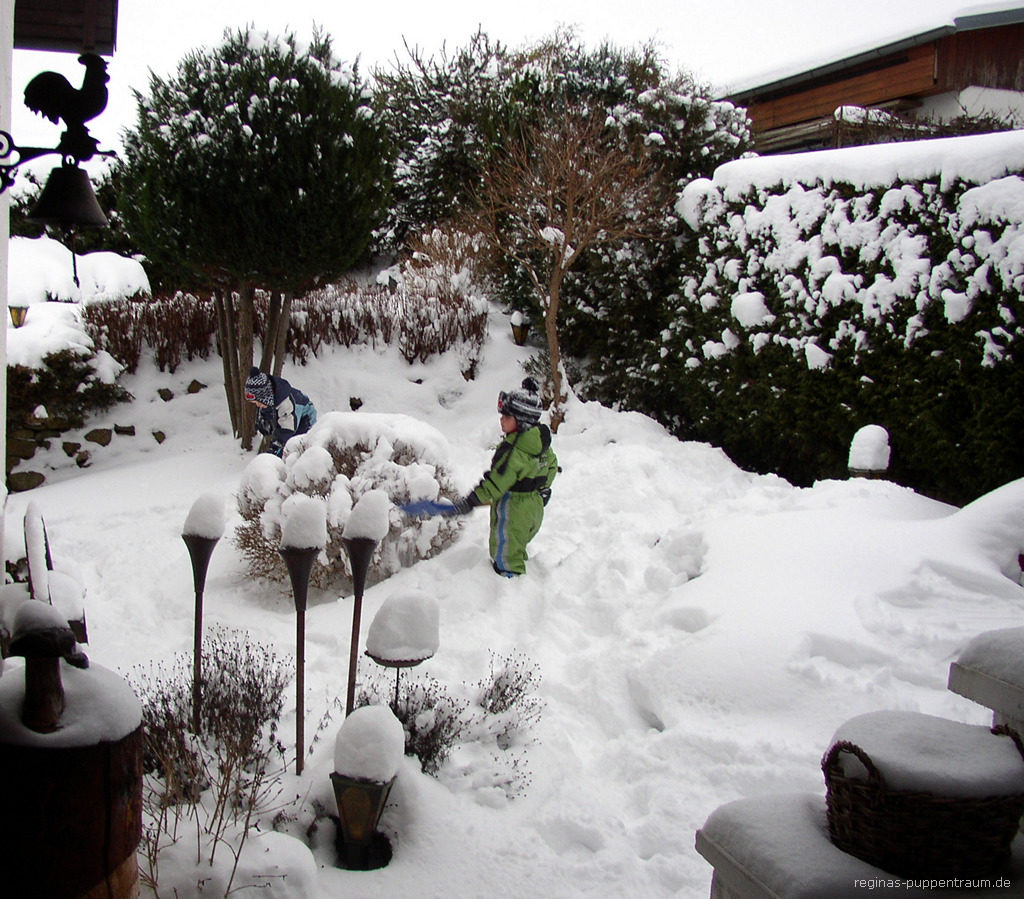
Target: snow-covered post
303, 536
404, 633
869, 452
366, 526
520, 327
204, 526
367, 752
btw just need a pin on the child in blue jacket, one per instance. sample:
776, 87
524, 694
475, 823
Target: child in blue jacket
284, 411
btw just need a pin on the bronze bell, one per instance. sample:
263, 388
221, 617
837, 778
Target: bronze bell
68, 201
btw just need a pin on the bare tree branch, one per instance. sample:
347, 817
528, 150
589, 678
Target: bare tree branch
559, 189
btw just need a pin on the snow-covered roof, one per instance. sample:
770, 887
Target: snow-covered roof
991, 15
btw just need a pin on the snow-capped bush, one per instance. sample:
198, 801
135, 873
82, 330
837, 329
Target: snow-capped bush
345, 456
888, 284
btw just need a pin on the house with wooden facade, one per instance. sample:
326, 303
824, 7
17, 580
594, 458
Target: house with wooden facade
973, 65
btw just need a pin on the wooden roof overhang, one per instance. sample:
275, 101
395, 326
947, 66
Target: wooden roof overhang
888, 76
69, 26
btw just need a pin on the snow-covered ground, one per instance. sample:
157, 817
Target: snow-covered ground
701, 632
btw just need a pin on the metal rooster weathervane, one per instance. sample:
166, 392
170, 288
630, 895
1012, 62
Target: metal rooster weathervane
51, 95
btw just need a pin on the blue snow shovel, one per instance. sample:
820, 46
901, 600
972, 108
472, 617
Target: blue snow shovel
426, 508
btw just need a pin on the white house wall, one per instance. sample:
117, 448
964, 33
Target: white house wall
6, 65
974, 101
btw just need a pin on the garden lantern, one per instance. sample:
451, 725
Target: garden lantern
18, 314
520, 328
360, 804
204, 526
368, 750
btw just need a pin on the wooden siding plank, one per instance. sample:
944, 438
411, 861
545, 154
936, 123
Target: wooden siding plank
914, 77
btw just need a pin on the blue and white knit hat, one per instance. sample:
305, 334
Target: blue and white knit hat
523, 405
259, 388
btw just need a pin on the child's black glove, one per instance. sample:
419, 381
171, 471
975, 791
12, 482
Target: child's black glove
545, 494
465, 504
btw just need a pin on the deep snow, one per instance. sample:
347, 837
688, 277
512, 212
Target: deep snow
701, 631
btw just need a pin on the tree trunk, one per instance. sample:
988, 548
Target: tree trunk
270, 335
559, 395
228, 342
246, 313
281, 346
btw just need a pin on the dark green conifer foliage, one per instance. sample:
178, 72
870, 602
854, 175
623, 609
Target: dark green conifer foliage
257, 162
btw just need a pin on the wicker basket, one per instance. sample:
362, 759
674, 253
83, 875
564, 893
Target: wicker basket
916, 834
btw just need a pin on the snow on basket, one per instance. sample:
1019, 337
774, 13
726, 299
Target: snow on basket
404, 632
370, 745
921, 796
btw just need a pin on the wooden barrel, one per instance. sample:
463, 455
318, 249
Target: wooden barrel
71, 817
72, 820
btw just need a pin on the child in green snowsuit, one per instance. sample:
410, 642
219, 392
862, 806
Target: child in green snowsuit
518, 484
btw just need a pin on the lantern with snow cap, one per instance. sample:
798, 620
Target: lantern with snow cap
367, 753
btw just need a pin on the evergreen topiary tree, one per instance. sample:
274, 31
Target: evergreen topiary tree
258, 165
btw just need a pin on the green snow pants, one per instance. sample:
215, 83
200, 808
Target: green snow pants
515, 520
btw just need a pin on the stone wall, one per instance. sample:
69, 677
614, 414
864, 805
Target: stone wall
33, 434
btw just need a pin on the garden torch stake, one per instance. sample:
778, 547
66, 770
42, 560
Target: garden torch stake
360, 549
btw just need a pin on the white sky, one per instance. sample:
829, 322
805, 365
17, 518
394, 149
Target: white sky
724, 42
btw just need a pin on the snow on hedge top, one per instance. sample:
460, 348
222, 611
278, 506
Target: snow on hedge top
54, 328
370, 744
41, 269
923, 753
975, 159
374, 429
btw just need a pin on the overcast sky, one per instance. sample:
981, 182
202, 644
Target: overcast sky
724, 42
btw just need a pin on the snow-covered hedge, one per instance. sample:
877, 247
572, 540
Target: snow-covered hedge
876, 284
343, 457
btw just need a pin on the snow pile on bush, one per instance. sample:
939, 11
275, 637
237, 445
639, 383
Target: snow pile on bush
346, 456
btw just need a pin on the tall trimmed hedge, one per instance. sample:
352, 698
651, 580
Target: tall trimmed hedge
865, 286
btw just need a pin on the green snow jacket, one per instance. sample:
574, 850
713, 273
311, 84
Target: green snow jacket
523, 464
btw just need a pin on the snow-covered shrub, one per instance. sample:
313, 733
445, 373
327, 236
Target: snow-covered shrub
175, 327
208, 788
344, 456
830, 290
432, 718
474, 737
